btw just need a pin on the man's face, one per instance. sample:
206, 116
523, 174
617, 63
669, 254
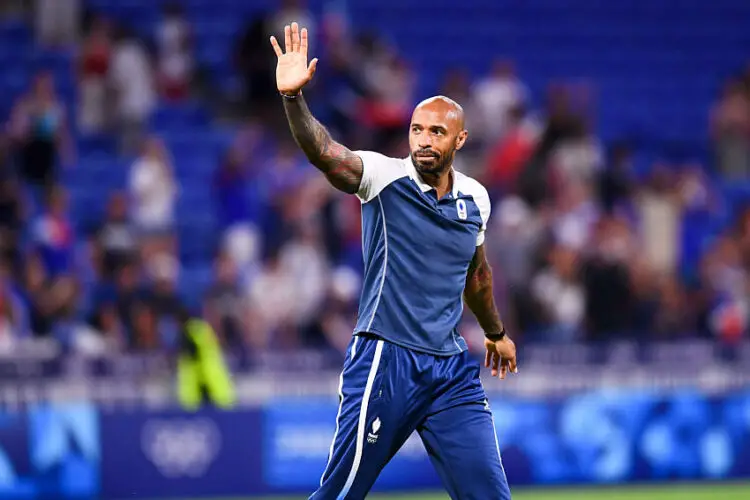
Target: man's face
435, 134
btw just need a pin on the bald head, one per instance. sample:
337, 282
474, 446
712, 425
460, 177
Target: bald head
445, 106
437, 132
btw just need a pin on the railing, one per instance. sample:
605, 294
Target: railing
34, 375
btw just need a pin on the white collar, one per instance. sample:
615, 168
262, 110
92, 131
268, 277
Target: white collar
423, 185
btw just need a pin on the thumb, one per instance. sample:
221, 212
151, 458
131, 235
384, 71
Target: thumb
311, 68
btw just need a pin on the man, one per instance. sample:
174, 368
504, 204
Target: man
407, 368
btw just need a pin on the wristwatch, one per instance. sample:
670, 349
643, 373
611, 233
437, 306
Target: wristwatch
494, 337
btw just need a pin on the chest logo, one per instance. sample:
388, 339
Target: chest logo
461, 209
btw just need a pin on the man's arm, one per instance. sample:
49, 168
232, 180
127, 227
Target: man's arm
342, 167
478, 293
501, 351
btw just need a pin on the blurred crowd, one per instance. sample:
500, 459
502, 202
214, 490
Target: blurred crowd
584, 245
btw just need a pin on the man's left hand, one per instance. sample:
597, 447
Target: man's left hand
501, 356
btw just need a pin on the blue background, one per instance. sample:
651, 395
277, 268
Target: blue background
593, 437
50, 451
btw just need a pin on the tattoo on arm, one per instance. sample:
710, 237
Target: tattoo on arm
478, 293
342, 167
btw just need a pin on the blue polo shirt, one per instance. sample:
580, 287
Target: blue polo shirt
417, 249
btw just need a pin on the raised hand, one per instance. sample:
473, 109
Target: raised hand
292, 70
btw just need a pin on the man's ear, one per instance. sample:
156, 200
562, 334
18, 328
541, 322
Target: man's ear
461, 139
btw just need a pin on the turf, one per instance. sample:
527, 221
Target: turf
665, 492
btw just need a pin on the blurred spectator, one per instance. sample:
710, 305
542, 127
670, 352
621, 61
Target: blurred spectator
723, 272
610, 298
746, 78
561, 295
494, 98
508, 156
48, 299
579, 157
175, 53
616, 181
163, 303
116, 240
562, 122
256, 65
117, 307
725, 280
35, 295
390, 83
13, 321
730, 130
743, 237
343, 87
575, 216
240, 208
271, 307
93, 67
659, 211
243, 245
237, 198
224, 306
153, 193
729, 321
67, 328
334, 323
57, 21
520, 230
282, 178
674, 317
53, 235
304, 257
39, 129
7, 166
132, 79
12, 218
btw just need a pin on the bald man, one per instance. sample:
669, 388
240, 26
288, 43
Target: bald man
407, 368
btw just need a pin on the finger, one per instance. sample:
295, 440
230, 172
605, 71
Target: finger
503, 370
513, 365
312, 67
287, 39
276, 48
495, 364
295, 37
487, 358
303, 42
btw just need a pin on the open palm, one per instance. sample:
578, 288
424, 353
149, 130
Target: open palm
292, 70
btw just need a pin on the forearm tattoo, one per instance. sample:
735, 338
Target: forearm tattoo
478, 293
342, 168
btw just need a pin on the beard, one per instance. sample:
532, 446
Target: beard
434, 165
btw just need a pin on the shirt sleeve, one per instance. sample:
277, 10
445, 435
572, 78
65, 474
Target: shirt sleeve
482, 199
377, 173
